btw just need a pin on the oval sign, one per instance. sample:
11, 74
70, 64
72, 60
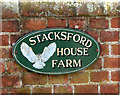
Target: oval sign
56, 51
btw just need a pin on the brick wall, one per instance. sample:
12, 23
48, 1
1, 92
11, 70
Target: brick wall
98, 19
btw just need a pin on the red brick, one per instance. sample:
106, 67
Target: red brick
24, 90
4, 40
52, 23
33, 24
99, 76
99, 23
2, 68
10, 55
10, 26
6, 53
115, 49
79, 77
104, 50
111, 62
42, 90
109, 88
77, 23
10, 81
8, 14
96, 65
3, 91
94, 34
34, 79
108, 36
14, 38
13, 67
115, 76
63, 89
86, 89
9, 9
115, 22
58, 79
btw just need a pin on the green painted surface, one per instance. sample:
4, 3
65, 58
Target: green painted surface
66, 62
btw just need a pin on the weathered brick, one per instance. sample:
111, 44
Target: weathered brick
3, 91
9, 9
23, 90
108, 36
115, 76
94, 34
46, 9
34, 79
37, 8
115, 22
99, 23
96, 9
82, 9
52, 23
115, 49
4, 40
61, 9
14, 38
13, 67
33, 24
0, 91
86, 89
10, 80
111, 62
42, 90
90, 8
96, 65
2, 68
6, 53
99, 76
79, 77
104, 50
10, 26
109, 88
58, 79
63, 89
33, 8
77, 23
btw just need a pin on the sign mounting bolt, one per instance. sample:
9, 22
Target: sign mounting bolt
13, 44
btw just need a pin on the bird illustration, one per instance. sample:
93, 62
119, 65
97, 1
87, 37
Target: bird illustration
38, 59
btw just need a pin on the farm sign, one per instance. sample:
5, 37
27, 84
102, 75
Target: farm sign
56, 51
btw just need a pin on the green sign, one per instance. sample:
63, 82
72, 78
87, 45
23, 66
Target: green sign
56, 51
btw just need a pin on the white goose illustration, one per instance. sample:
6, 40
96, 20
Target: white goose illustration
38, 59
